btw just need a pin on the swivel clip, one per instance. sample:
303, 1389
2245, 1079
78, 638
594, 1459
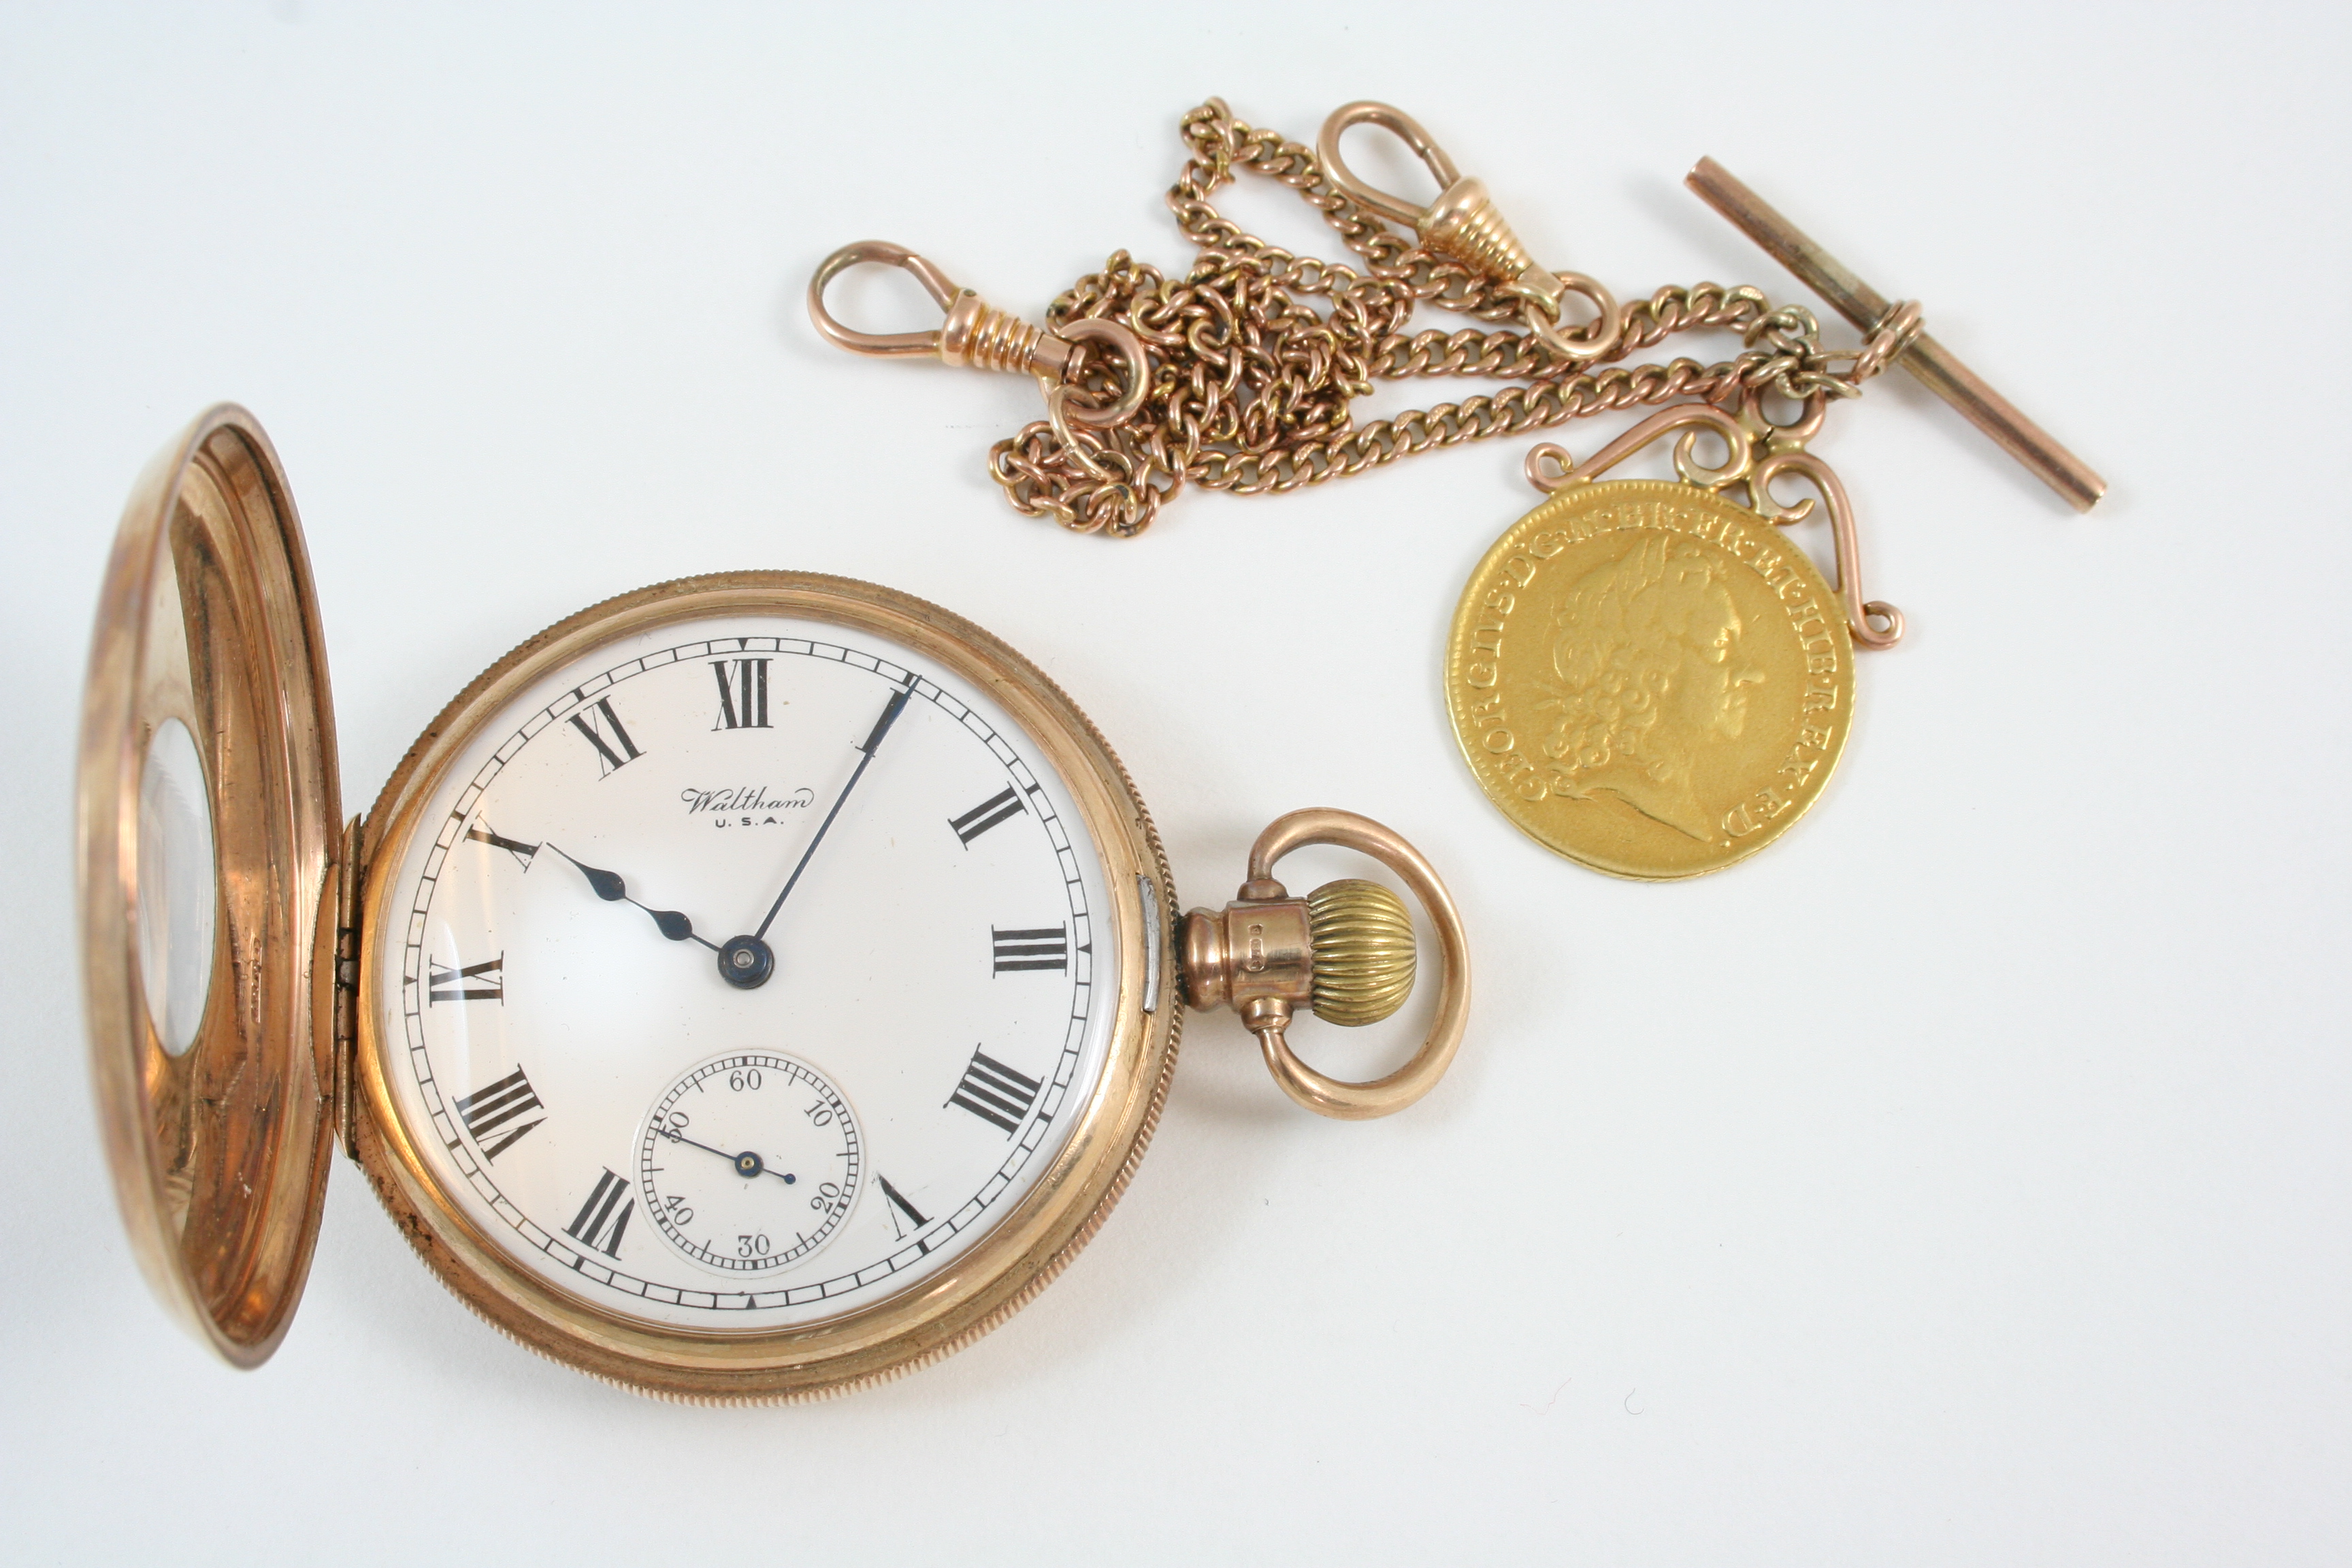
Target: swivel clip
977, 334
1462, 225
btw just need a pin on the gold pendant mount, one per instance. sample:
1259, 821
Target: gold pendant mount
1347, 949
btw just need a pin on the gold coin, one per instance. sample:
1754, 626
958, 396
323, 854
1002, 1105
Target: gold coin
1647, 679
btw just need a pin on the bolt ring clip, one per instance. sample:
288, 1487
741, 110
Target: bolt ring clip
976, 333
1463, 224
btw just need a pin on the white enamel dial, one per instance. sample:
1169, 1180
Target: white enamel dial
804, 887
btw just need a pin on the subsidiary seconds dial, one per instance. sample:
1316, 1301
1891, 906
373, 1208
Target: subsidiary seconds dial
750, 1162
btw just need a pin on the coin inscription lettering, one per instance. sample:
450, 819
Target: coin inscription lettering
1646, 679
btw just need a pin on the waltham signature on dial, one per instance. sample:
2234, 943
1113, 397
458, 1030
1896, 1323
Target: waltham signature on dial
737, 799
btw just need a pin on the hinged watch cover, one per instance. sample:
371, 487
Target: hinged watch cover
207, 806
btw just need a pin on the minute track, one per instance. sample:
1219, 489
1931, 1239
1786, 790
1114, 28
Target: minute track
957, 1208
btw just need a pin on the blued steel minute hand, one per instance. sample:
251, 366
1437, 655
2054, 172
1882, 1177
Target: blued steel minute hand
746, 962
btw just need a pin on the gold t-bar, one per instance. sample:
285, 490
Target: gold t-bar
1925, 358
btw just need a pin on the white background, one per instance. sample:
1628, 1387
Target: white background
1964, 1180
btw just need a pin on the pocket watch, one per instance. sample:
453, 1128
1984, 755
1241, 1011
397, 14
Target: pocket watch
754, 986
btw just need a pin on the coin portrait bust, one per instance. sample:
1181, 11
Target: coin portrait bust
1646, 650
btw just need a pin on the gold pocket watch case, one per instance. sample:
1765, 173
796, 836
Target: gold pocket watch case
204, 893
776, 1158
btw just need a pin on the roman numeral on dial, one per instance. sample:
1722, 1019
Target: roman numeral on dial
597, 1224
492, 1105
1000, 807
994, 1092
602, 726
899, 1205
743, 693
1044, 947
483, 981
481, 833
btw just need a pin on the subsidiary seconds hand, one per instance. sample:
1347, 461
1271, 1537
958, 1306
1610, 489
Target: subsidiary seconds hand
746, 962
747, 1163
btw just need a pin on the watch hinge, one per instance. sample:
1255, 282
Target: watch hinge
348, 877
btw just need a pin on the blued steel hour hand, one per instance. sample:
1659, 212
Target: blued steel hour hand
609, 887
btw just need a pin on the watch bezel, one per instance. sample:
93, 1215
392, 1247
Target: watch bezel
934, 1316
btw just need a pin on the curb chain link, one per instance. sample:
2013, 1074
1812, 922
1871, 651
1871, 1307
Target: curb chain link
1251, 385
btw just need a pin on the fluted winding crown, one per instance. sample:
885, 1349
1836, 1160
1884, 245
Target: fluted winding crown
1364, 951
